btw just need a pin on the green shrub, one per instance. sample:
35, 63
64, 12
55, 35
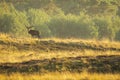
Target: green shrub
13, 22
38, 19
73, 26
105, 26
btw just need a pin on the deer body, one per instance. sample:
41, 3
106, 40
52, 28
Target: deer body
33, 33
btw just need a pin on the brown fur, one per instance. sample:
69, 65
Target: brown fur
33, 33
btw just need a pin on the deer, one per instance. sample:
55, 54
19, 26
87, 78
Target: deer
33, 33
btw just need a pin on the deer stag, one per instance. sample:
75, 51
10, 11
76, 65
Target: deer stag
33, 33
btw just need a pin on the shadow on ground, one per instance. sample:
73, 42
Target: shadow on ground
99, 64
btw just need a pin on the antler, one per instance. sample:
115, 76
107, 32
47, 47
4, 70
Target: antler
28, 27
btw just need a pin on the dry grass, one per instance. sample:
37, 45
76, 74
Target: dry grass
105, 42
11, 51
13, 57
60, 76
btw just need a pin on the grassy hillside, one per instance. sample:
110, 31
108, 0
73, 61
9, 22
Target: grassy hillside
60, 56
24, 49
60, 39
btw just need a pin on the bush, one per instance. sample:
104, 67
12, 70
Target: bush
105, 27
13, 22
73, 26
117, 37
38, 19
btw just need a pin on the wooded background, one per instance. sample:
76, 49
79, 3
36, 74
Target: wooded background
85, 19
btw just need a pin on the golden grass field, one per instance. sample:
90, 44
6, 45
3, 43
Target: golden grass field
58, 59
61, 76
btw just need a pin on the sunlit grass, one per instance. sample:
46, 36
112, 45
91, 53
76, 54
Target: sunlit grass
10, 53
22, 56
4, 36
104, 42
60, 76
